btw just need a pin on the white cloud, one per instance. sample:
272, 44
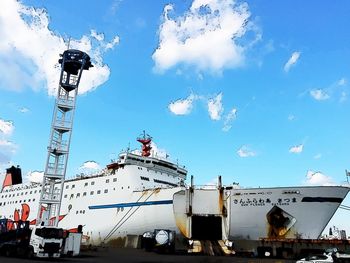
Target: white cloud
6, 127
291, 117
7, 150
29, 50
296, 149
156, 151
343, 96
23, 110
342, 82
292, 61
245, 151
206, 36
319, 94
90, 166
229, 118
35, 176
318, 178
182, 106
215, 107
318, 156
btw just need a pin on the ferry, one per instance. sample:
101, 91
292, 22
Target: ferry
135, 194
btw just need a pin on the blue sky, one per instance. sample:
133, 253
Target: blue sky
255, 91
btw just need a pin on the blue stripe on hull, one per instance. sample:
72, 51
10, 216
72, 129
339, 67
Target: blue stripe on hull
162, 202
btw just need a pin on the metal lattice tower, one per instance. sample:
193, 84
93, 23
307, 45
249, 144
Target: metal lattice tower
73, 62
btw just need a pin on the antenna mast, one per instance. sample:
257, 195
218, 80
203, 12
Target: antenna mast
73, 62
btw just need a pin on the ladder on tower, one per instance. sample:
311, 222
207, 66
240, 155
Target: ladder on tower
73, 62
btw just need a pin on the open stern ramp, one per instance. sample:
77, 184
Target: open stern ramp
201, 213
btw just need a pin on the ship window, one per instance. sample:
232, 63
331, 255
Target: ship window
84, 194
85, 184
65, 196
35, 192
16, 202
144, 178
26, 192
22, 193
20, 201
78, 194
98, 192
106, 191
114, 179
71, 196
67, 186
92, 183
31, 192
33, 199
24, 200
77, 212
73, 186
29, 200
92, 192
107, 181
122, 187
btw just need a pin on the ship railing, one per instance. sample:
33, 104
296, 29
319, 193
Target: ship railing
206, 187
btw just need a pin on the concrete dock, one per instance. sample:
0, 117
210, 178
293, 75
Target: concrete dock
126, 255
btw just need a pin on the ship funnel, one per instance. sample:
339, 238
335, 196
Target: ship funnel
13, 176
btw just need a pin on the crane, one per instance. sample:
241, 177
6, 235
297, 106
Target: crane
73, 63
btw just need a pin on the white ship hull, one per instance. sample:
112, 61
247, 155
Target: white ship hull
117, 203
305, 211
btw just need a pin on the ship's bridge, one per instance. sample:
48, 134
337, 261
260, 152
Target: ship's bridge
157, 164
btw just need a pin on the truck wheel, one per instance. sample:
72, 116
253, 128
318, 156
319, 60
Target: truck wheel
30, 253
8, 251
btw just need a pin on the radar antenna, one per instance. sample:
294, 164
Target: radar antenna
73, 62
145, 140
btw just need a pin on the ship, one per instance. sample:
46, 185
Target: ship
135, 193
300, 212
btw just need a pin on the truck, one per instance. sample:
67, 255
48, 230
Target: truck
17, 238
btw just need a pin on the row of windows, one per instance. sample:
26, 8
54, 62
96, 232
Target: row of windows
17, 201
160, 163
164, 182
24, 187
91, 193
158, 181
18, 194
91, 183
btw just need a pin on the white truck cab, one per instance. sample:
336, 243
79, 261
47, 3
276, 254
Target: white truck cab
46, 241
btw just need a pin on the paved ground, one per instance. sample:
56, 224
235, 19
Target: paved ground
140, 256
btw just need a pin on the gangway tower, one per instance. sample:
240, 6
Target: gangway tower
73, 63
